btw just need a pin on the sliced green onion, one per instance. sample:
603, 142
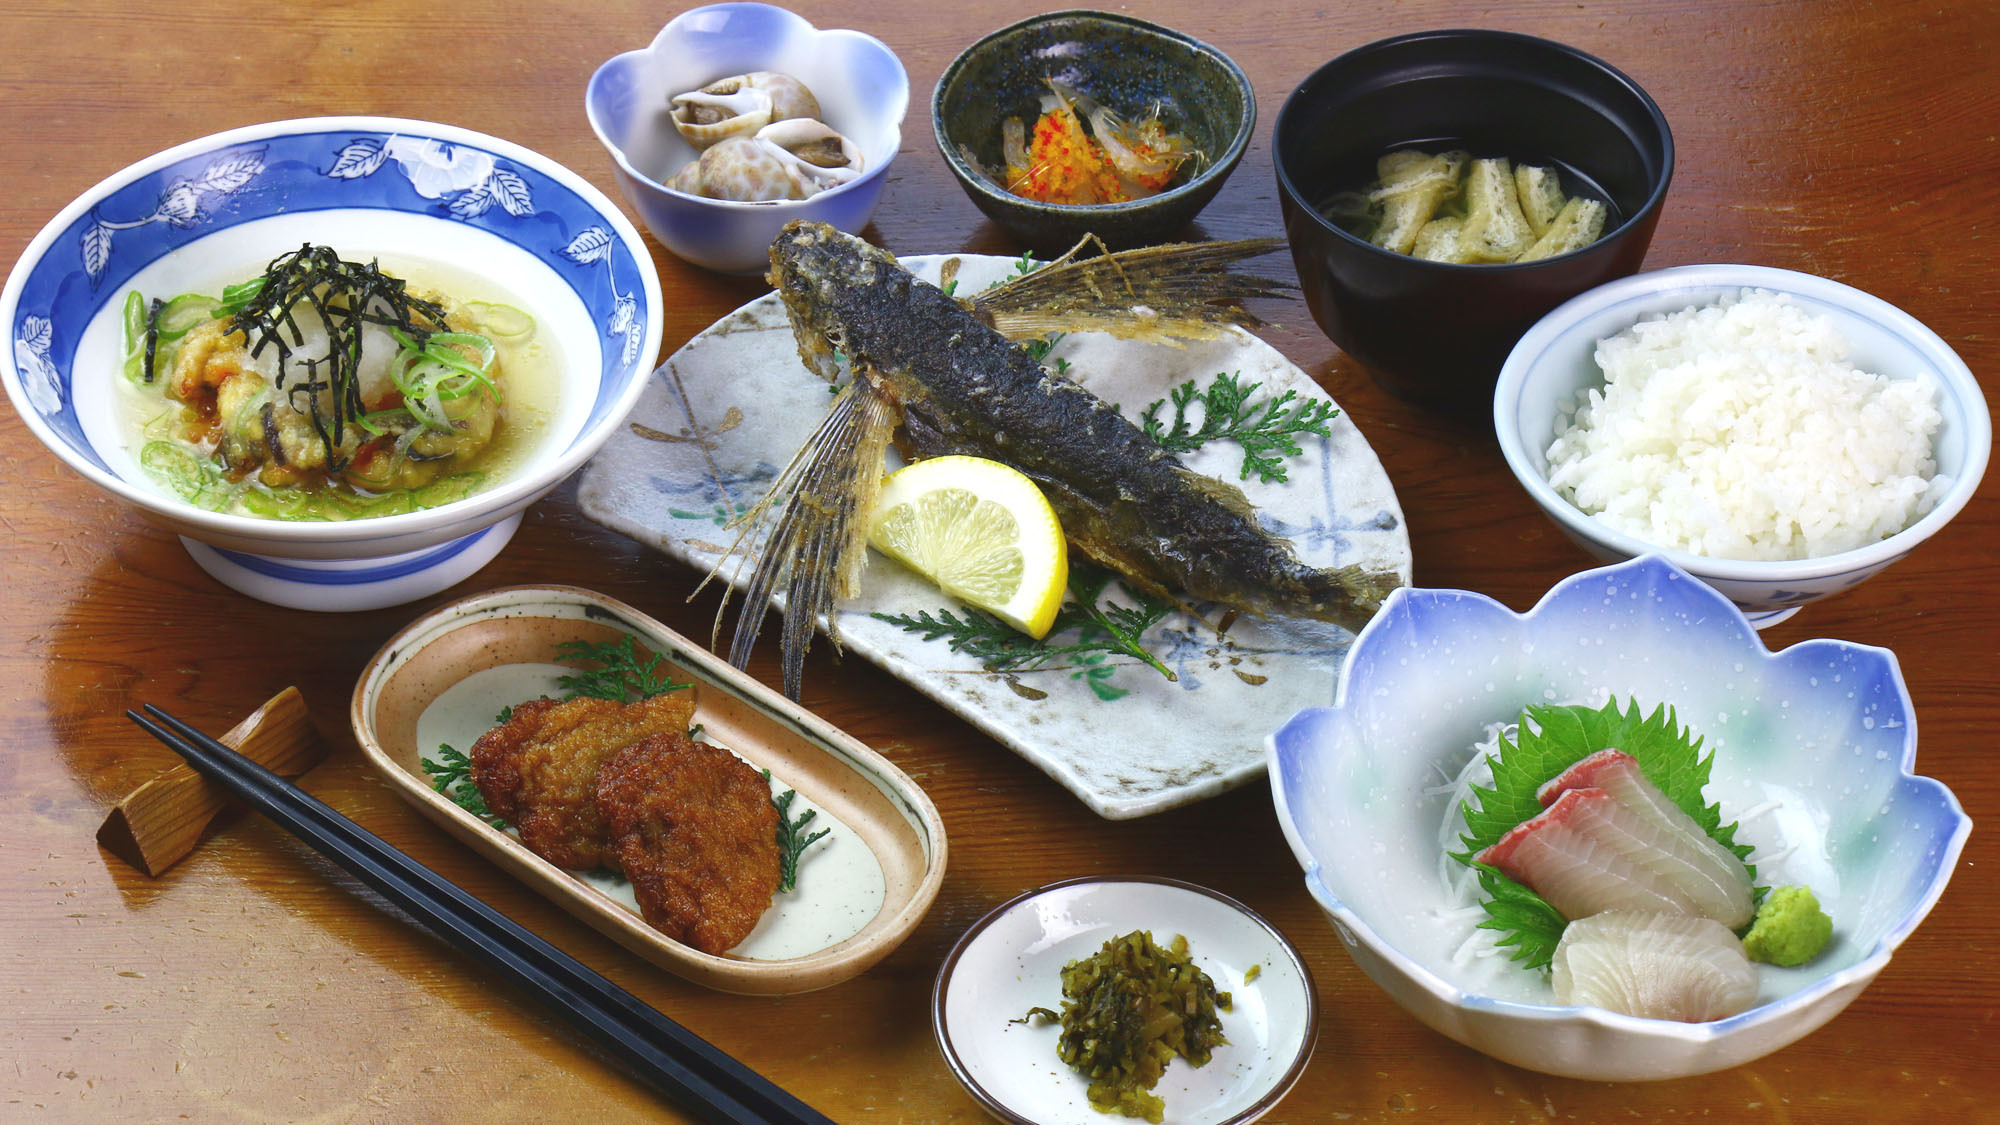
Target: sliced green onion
481, 344
277, 503
234, 297
379, 422
180, 315
504, 321
445, 490
195, 479
135, 322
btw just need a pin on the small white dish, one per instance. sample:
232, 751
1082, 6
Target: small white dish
1012, 960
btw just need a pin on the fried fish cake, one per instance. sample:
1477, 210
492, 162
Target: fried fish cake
558, 797
696, 833
538, 770
495, 758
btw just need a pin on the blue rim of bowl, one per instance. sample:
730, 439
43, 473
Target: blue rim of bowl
617, 150
978, 181
1693, 1033
1703, 284
998, 1108
229, 162
1654, 200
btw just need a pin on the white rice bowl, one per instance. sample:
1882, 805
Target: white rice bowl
1740, 430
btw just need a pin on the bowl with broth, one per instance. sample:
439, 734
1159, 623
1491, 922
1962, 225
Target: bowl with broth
1435, 332
338, 357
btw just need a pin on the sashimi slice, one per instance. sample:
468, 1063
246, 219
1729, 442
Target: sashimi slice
1706, 870
1579, 855
1656, 966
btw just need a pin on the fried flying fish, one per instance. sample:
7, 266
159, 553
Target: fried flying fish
539, 769
696, 833
948, 374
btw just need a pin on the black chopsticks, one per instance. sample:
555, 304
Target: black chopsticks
662, 1053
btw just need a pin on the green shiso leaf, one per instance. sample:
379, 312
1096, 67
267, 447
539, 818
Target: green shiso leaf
1529, 926
1550, 740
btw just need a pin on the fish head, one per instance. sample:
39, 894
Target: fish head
816, 271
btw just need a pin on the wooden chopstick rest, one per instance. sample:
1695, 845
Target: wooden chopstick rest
161, 821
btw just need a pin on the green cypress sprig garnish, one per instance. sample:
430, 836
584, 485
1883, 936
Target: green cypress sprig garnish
451, 775
793, 839
620, 676
1101, 628
1267, 429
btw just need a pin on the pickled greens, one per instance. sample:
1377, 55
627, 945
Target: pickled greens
1128, 1010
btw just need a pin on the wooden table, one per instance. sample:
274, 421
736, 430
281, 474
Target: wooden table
255, 983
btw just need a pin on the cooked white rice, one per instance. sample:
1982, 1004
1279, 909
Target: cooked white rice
1740, 431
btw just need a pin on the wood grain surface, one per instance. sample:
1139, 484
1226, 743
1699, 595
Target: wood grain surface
252, 982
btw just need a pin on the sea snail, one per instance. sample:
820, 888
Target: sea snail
740, 105
792, 159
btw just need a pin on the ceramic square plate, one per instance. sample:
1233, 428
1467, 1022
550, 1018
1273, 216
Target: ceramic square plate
728, 411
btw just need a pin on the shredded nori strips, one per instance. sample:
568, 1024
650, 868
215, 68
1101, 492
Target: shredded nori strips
343, 295
1128, 1010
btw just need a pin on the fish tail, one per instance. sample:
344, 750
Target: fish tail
1180, 291
1348, 596
816, 546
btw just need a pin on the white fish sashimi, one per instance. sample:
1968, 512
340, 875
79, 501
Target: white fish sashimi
1653, 965
1586, 854
1705, 871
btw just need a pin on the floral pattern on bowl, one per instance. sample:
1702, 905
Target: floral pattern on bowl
180, 220
1814, 752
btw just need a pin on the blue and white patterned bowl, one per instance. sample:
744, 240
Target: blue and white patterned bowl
859, 82
1555, 360
1814, 750
214, 210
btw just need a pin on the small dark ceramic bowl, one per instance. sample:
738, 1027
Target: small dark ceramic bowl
1125, 63
1435, 333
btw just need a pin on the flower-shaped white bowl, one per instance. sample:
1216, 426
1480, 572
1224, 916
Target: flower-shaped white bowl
1814, 748
215, 210
861, 86
1555, 361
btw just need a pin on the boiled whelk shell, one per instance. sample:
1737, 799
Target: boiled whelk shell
740, 105
792, 159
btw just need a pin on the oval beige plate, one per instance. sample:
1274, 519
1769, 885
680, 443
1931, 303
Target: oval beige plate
861, 890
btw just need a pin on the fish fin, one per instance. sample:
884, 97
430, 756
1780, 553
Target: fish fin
815, 513
1181, 291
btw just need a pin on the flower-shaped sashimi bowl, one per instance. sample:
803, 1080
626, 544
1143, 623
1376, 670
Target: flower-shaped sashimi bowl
475, 214
1813, 754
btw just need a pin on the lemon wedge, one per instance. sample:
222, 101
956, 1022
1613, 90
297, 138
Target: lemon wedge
982, 531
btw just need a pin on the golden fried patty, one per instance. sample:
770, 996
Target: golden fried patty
552, 758
696, 833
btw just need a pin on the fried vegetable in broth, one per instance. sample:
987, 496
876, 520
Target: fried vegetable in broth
1450, 207
1128, 1010
319, 389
